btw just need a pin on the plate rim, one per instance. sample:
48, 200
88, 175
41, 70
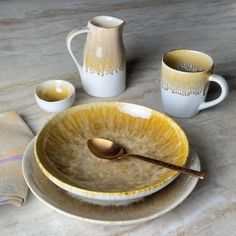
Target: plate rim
48, 202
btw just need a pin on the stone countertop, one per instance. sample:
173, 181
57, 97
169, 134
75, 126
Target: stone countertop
33, 49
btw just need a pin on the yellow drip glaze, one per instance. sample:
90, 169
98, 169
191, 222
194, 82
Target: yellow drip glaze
62, 153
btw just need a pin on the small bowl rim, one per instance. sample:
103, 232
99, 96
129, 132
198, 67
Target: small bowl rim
61, 100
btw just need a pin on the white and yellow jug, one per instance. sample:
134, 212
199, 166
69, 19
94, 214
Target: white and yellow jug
103, 72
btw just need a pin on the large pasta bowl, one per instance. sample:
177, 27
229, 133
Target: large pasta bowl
63, 156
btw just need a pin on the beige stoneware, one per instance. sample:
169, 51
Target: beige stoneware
62, 153
185, 78
55, 95
103, 73
151, 207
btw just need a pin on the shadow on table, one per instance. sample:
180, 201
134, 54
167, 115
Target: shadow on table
138, 63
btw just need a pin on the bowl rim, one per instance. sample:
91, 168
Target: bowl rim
59, 101
92, 193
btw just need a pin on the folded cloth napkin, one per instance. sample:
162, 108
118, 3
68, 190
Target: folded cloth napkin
14, 137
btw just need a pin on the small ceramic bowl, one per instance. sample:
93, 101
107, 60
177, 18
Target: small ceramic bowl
62, 154
55, 95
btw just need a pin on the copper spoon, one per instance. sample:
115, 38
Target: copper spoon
110, 150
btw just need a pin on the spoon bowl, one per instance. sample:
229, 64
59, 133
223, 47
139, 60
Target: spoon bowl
105, 149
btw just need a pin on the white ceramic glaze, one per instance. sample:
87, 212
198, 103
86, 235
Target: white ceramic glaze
184, 92
107, 85
103, 73
188, 106
151, 207
61, 90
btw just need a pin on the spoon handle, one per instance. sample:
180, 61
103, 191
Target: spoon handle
195, 173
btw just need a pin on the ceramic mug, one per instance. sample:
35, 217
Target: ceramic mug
103, 73
185, 78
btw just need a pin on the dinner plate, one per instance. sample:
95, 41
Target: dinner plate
63, 156
149, 208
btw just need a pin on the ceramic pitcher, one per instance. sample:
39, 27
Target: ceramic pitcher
103, 72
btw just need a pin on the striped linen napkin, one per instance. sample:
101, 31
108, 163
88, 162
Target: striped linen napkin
14, 137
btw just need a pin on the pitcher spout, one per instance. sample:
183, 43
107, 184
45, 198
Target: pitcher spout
106, 22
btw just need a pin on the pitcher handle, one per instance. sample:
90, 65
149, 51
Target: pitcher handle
69, 38
224, 92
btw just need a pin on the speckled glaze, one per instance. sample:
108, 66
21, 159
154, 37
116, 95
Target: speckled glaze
63, 156
185, 78
103, 73
151, 207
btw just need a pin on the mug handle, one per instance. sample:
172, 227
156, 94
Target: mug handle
69, 38
224, 92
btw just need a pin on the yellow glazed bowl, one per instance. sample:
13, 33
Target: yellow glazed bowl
54, 95
63, 156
